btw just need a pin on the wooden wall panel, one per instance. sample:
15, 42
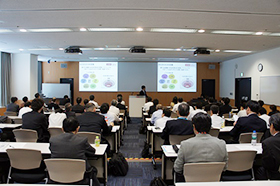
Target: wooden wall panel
52, 73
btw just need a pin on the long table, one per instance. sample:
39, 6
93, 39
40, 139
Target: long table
231, 183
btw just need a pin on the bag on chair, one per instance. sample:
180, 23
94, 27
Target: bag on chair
118, 165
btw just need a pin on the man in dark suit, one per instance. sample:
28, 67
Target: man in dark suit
271, 152
53, 104
13, 107
181, 126
35, 120
64, 100
249, 123
68, 110
78, 108
226, 108
143, 91
61, 146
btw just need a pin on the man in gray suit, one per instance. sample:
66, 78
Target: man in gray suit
70, 145
201, 148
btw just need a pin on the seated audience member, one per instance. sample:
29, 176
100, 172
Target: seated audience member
148, 104
242, 111
78, 108
13, 107
53, 104
201, 148
68, 110
91, 100
56, 119
250, 123
37, 95
70, 145
86, 101
64, 100
35, 120
211, 101
175, 107
217, 121
109, 117
25, 109
273, 109
263, 115
261, 103
226, 108
157, 114
24, 99
271, 151
90, 121
174, 101
152, 108
113, 108
161, 122
198, 108
120, 99
180, 126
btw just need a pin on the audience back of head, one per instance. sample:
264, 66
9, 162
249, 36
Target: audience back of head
167, 112
275, 120
70, 124
104, 108
68, 107
253, 105
89, 107
183, 109
25, 99
86, 101
78, 100
202, 122
214, 109
37, 104
14, 99
91, 97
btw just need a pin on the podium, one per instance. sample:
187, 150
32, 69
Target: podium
135, 105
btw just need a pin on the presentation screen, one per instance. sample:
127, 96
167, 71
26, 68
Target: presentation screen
176, 77
98, 76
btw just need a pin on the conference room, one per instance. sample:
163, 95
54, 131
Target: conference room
183, 48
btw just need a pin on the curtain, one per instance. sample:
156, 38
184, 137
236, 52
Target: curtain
5, 78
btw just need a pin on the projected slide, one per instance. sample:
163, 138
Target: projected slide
98, 76
176, 77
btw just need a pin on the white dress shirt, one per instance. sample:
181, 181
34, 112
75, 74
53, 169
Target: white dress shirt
23, 110
109, 117
114, 110
161, 122
147, 105
217, 121
242, 113
194, 112
265, 117
56, 119
156, 115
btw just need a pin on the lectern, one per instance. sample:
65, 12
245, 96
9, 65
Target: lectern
135, 105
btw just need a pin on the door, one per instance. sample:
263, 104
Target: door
242, 90
208, 87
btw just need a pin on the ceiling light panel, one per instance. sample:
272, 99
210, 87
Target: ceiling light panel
173, 30
111, 29
238, 51
51, 30
232, 32
274, 34
5, 31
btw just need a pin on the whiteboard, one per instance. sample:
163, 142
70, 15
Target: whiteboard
56, 90
270, 89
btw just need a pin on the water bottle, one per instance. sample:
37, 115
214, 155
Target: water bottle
229, 114
97, 141
53, 109
254, 138
224, 122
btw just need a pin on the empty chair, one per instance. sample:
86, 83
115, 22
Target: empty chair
55, 131
10, 113
66, 170
90, 135
203, 172
247, 137
240, 165
25, 135
26, 166
214, 132
176, 139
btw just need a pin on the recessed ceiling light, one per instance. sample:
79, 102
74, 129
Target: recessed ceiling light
22, 30
274, 34
217, 50
20, 49
41, 49
83, 29
5, 30
111, 29
173, 30
50, 30
259, 33
139, 29
60, 49
163, 49
232, 32
237, 51
201, 31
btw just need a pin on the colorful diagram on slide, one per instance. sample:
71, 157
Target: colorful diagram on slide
170, 82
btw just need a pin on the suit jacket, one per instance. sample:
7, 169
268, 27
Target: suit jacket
12, 107
53, 105
78, 108
64, 101
93, 122
69, 145
176, 127
36, 121
143, 93
271, 156
70, 114
201, 148
248, 124
152, 110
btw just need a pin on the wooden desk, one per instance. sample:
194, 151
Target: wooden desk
231, 183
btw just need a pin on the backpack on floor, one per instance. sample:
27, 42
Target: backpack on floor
158, 181
143, 129
118, 165
146, 151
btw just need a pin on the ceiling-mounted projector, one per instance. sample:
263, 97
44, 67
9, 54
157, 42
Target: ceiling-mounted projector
137, 49
200, 51
73, 50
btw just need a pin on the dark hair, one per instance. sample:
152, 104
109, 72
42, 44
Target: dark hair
37, 104
37, 95
244, 104
104, 108
143, 86
25, 99
78, 100
273, 108
14, 99
53, 99
214, 109
119, 98
68, 107
253, 105
65, 96
180, 100
202, 122
199, 105
159, 107
155, 101
86, 101
211, 100
167, 112
114, 102
175, 100
275, 120
119, 95
59, 110
261, 103
149, 99
226, 100
27, 104
262, 111
70, 124
91, 97
183, 109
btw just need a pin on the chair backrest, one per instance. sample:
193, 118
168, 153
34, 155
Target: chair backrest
24, 159
90, 135
176, 139
54, 131
214, 132
174, 115
78, 114
25, 135
10, 113
18, 121
203, 172
247, 137
66, 170
241, 160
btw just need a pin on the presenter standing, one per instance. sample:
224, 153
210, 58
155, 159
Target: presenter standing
143, 91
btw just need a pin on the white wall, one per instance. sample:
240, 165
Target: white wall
24, 75
231, 69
